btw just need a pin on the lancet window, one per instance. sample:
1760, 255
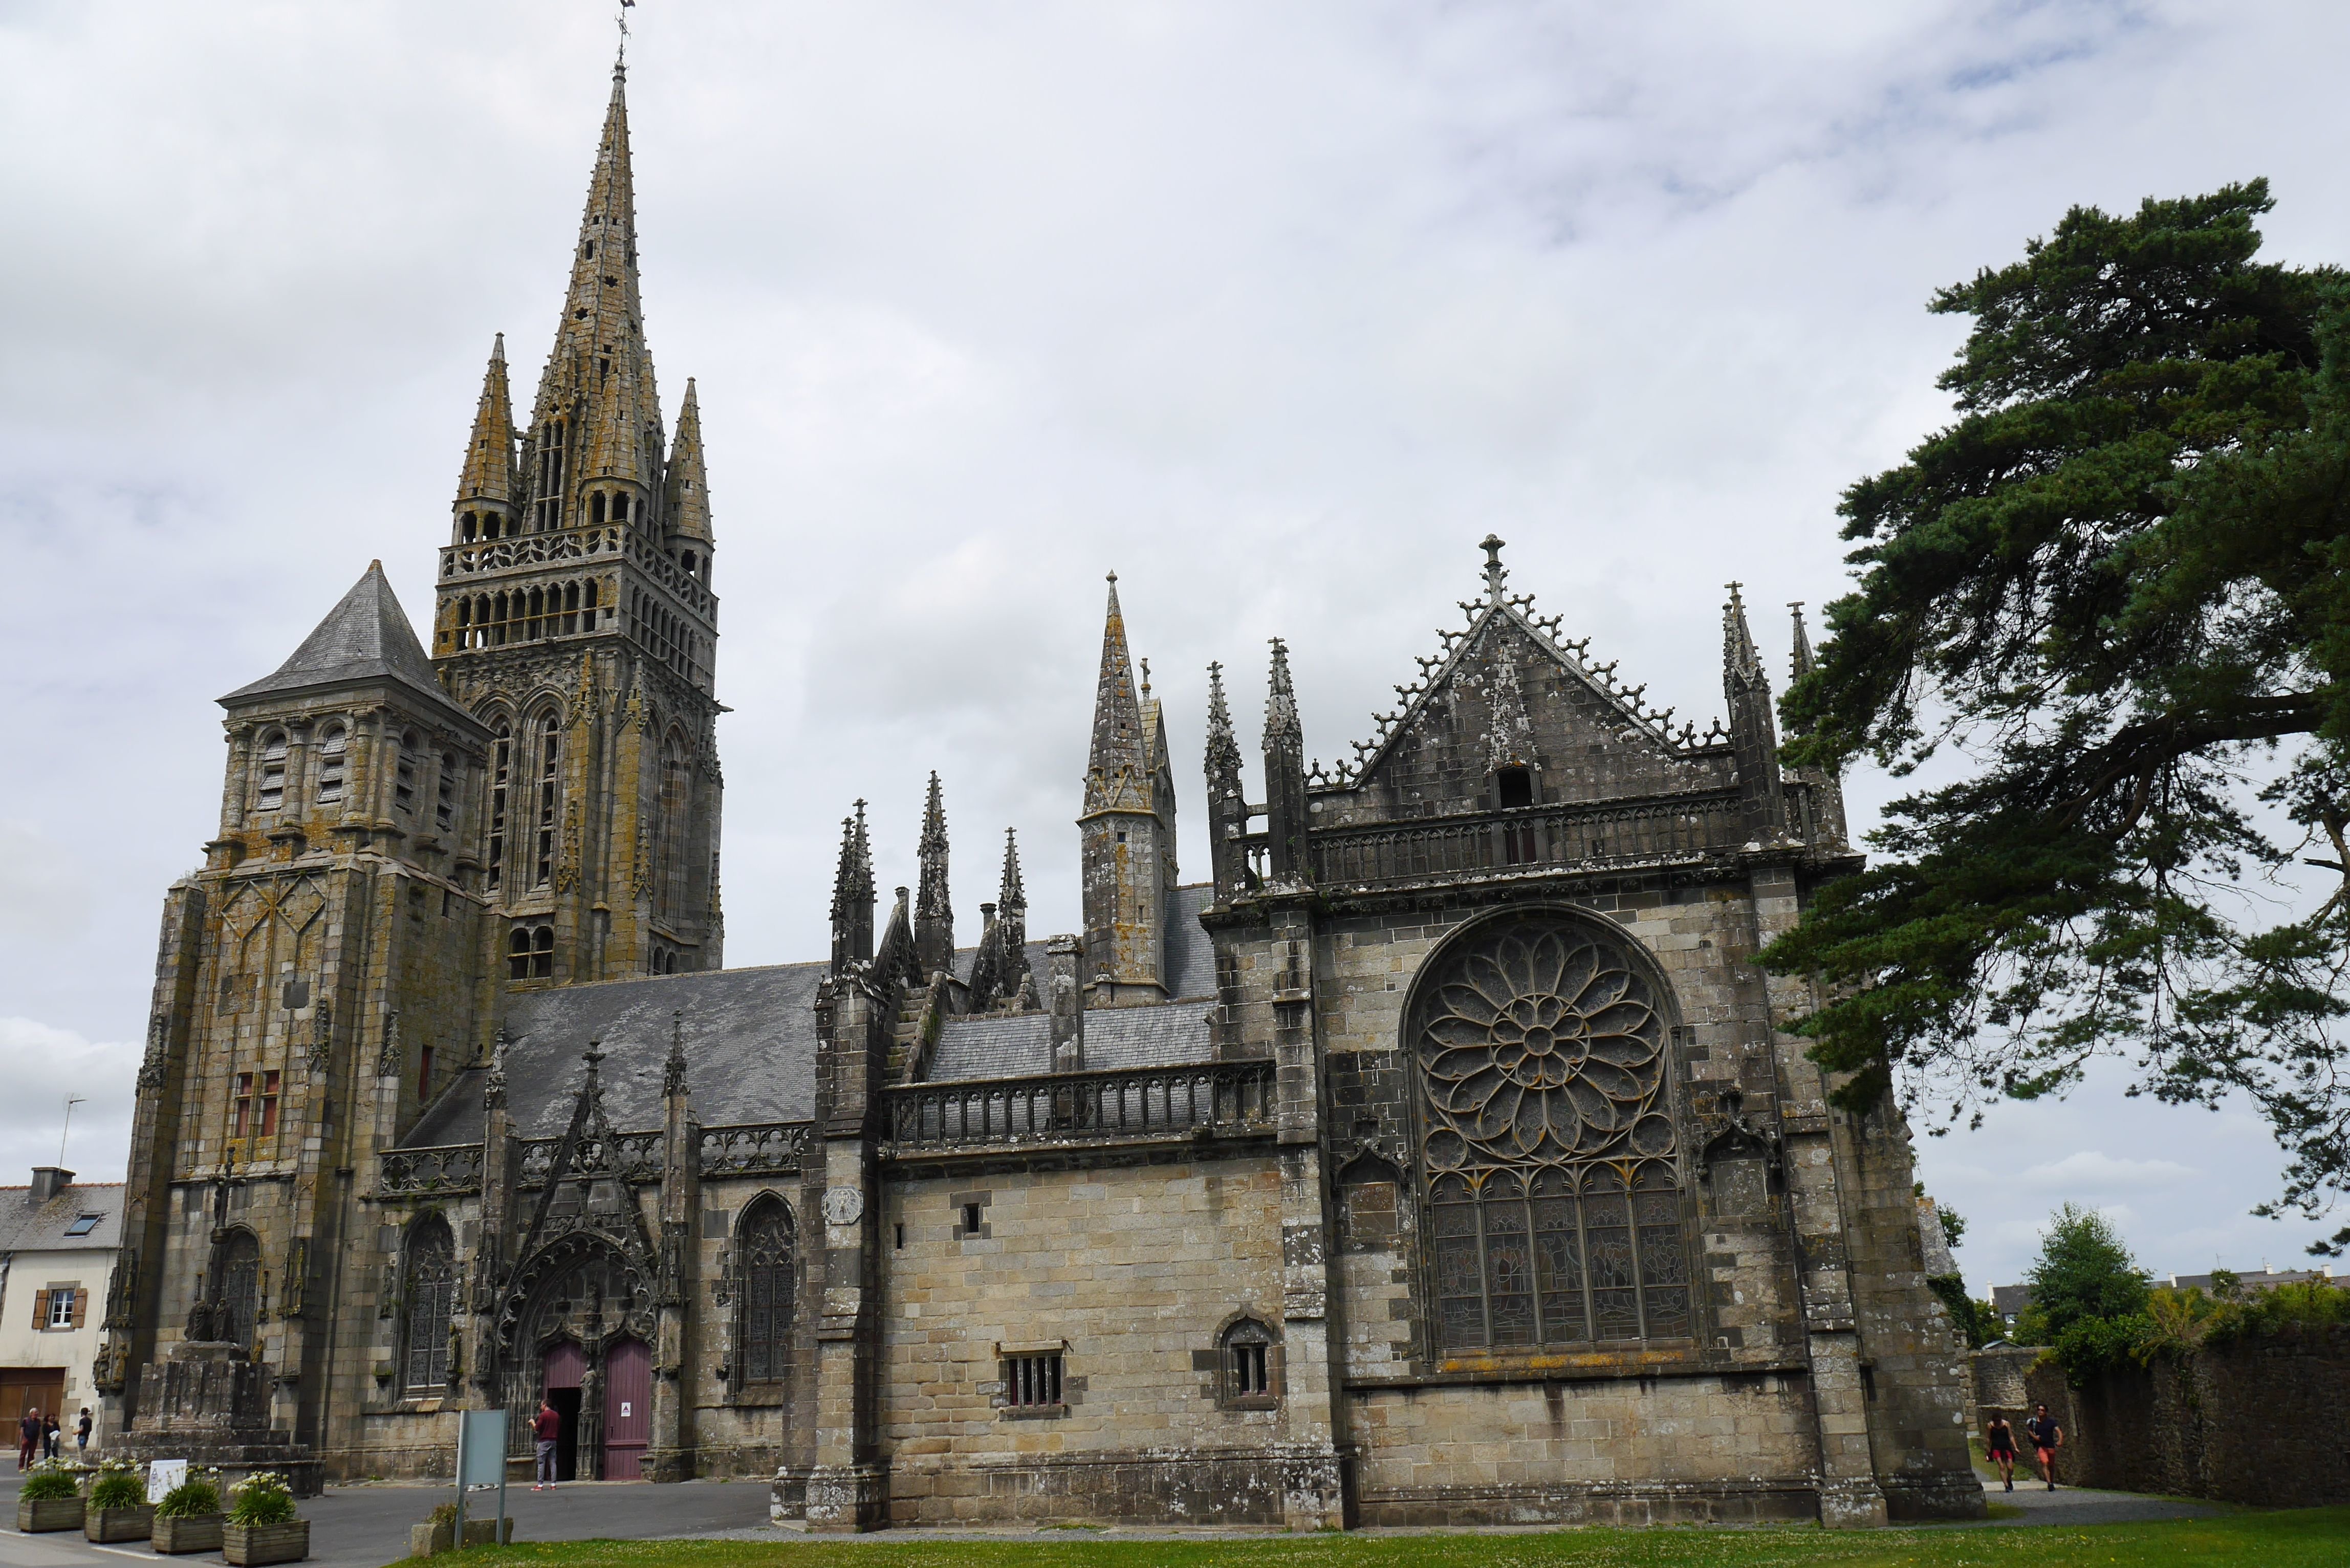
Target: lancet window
766, 1268
240, 1289
501, 767
430, 1295
1548, 1144
549, 742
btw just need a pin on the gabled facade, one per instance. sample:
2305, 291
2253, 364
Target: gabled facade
1442, 1157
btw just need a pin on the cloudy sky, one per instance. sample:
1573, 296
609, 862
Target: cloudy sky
1273, 309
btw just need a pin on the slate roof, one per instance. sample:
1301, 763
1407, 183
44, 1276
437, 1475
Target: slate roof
27, 1226
1173, 1033
365, 638
749, 1053
1190, 957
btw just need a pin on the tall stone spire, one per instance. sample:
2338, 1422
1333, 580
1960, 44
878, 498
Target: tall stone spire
1223, 747
598, 414
685, 501
1114, 776
852, 895
1826, 818
933, 906
1011, 897
1753, 730
1284, 775
1228, 811
485, 484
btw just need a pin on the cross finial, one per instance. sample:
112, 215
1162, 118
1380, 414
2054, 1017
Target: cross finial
1146, 678
1496, 574
620, 19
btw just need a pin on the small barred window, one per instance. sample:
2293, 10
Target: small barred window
1032, 1382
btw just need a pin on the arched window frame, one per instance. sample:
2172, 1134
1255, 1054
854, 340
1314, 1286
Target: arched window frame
1589, 1246
767, 1265
1248, 1364
240, 1285
546, 763
428, 1273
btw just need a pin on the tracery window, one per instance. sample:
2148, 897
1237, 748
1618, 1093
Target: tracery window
430, 1295
501, 767
766, 1253
1547, 1149
549, 739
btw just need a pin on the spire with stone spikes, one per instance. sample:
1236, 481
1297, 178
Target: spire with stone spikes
673, 1070
1115, 778
1228, 810
1284, 775
852, 896
1011, 897
1826, 819
1000, 968
685, 501
1753, 731
933, 906
1223, 746
597, 413
1801, 663
485, 482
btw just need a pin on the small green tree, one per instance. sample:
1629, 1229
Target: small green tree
2085, 1271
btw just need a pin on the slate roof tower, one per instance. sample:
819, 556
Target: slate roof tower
575, 618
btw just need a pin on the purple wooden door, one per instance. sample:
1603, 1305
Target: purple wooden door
628, 1408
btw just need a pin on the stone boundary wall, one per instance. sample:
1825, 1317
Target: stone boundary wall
2256, 1421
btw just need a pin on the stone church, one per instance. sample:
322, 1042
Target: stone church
1437, 1158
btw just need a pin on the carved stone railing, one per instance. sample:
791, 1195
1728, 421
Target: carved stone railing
1230, 1099
753, 1150
537, 1159
419, 1172
531, 549
1530, 838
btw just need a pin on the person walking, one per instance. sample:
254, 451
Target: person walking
2046, 1437
547, 1427
29, 1438
1999, 1443
50, 1431
81, 1435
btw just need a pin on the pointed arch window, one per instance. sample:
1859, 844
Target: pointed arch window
1556, 1215
501, 769
271, 795
766, 1253
430, 1294
241, 1285
549, 742
334, 746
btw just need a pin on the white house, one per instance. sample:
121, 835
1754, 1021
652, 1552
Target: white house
57, 1248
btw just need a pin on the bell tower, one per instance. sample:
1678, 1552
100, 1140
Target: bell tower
574, 620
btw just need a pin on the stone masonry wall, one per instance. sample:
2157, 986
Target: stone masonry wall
1138, 1268
2256, 1421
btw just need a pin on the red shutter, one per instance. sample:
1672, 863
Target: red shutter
81, 1308
40, 1309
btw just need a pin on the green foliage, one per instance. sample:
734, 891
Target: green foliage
2084, 1271
192, 1496
118, 1491
2119, 584
1975, 1320
261, 1498
49, 1481
2089, 1344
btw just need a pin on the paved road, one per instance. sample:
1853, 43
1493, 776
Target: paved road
367, 1526
2076, 1505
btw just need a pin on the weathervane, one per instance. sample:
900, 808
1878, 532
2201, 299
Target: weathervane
620, 20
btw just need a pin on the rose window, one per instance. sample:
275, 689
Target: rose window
1548, 1141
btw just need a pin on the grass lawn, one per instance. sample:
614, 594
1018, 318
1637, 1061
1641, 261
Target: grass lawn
2308, 1536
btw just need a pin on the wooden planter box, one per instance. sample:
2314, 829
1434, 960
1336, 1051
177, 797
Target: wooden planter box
119, 1523
50, 1513
251, 1545
188, 1532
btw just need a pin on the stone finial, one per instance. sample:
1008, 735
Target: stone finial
1738, 656
1496, 574
493, 1091
1223, 766
1011, 896
933, 906
852, 895
1801, 661
1281, 702
1065, 1004
673, 1070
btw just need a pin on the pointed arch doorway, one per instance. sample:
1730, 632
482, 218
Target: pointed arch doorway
566, 1370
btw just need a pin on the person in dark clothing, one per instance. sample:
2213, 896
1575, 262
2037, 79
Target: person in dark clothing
81, 1434
1999, 1444
50, 1431
29, 1437
2046, 1437
547, 1427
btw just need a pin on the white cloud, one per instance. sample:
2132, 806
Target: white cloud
1273, 309
2090, 1170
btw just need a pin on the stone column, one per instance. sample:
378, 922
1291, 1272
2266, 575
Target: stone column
671, 1457
1313, 1490
848, 1489
1066, 1000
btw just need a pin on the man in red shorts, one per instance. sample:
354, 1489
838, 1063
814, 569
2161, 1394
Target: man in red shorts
2046, 1437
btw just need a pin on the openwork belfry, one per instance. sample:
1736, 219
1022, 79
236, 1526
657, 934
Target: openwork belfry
1436, 1154
1548, 1146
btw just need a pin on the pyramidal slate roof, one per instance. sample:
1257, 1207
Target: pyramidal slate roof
364, 638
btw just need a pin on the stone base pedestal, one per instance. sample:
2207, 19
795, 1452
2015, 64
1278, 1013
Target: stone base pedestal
208, 1405
1852, 1505
846, 1499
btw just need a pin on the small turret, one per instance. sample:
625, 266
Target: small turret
933, 907
1827, 820
999, 972
485, 484
685, 499
1285, 776
1227, 804
1128, 843
852, 896
1753, 732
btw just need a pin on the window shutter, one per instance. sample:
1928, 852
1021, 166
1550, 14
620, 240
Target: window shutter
81, 1308
40, 1309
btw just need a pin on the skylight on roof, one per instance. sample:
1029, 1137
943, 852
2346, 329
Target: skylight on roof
85, 1225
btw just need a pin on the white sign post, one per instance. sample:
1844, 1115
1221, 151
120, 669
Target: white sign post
162, 1475
480, 1464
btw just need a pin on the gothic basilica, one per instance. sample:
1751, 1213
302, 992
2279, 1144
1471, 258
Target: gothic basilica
1437, 1157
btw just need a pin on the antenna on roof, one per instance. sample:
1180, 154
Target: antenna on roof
71, 1101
